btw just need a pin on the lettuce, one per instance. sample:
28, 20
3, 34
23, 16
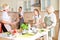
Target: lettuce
24, 26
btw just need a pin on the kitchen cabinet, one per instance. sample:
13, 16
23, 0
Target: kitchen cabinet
44, 4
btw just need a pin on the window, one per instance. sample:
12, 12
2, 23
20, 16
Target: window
48, 2
37, 1
27, 5
42, 4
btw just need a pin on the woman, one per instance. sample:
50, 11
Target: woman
36, 17
21, 19
50, 20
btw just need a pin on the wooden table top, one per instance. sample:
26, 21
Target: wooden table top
3, 38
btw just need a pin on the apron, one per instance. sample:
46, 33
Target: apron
8, 19
37, 18
21, 20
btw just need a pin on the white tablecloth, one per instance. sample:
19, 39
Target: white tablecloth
32, 37
38, 35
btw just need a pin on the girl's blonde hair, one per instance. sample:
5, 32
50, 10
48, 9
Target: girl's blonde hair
5, 6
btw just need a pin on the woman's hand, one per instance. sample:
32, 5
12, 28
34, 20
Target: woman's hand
44, 25
40, 21
14, 23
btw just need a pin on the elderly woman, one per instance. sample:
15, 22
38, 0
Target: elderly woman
50, 20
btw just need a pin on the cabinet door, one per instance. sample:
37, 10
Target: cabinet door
48, 2
42, 5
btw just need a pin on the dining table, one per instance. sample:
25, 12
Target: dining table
27, 36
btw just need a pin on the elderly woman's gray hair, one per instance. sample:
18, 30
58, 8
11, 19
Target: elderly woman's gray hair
51, 8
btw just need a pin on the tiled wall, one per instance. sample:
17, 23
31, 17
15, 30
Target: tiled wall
28, 15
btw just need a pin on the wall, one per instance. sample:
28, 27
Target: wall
16, 3
46, 3
12, 3
55, 4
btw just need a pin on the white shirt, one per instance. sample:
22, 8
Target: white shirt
8, 19
21, 13
36, 18
53, 18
